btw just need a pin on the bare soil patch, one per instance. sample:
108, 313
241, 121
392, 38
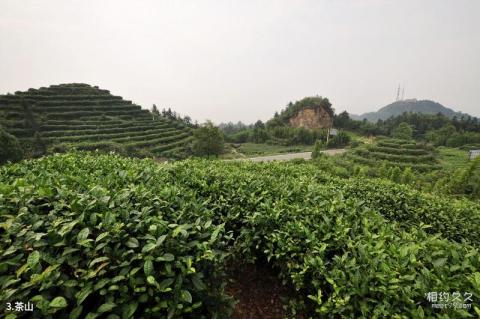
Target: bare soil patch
259, 292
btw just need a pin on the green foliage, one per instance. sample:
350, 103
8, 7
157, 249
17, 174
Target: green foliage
155, 110
124, 247
87, 235
78, 114
259, 134
403, 131
397, 153
277, 130
240, 137
449, 136
314, 102
434, 128
465, 181
317, 151
407, 177
207, 140
439, 137
413, 107
39, 145
10, 149
340, 140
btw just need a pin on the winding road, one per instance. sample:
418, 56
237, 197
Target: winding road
290, 156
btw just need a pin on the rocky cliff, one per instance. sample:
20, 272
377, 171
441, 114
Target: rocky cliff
311, 118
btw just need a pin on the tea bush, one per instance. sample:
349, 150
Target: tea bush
90, 236
399, 153
10, 149
96, 237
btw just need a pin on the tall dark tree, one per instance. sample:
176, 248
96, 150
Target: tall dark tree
259, 134
155, 110
342, 120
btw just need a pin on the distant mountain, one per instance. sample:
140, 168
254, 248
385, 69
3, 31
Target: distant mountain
412, 105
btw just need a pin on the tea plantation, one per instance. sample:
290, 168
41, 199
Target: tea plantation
400, 153
85, 236
79, 116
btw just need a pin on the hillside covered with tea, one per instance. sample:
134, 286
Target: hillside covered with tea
80, 116
86, 236
399, 153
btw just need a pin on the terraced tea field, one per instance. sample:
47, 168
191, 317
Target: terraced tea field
399, 153
84, 117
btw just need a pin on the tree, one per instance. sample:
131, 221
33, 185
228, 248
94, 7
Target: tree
259, 125
10, 149
339, 140
259, 134
155, 111
440, 136
403, 131
207, 140
342, 120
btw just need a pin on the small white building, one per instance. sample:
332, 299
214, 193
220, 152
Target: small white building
474, 154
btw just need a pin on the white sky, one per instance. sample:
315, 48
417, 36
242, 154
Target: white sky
243, 60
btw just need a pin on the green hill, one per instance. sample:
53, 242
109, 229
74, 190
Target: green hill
400, 153
85, 117
412, 105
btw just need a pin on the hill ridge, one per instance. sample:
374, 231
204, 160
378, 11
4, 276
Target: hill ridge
410, 105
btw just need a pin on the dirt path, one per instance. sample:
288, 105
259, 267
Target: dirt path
259, 293
290, 156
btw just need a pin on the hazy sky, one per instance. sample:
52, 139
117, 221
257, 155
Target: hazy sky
243, 60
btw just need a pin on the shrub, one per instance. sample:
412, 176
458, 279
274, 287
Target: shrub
341, 139
10, 149
207, 140
466, 181
403, 131
240, 137
121, 248
317, 150
90, 236
407, 176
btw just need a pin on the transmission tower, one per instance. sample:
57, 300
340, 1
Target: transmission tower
403, 92
398, 93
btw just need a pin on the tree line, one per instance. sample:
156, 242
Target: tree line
436, 129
